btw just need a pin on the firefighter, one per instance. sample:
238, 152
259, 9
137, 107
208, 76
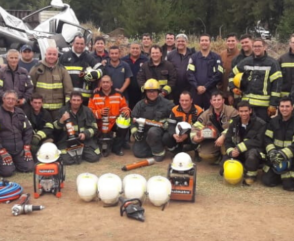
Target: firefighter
52, 81
83, 68
244, 141
13, 77
286, 62
41, 122
204, 72
146, 44
161, 70
217, 118
261, 81
186, 113
15, 137
148, 140
85, 128
107, 105
279, 145
169, 45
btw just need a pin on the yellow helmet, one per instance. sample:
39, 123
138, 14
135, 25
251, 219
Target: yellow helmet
123, 122
151, 84
233, 171
237, 80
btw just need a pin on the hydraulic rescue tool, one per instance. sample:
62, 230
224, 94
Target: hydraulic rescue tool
106, 135
142, 122
22, 207
133, 208
74, 146
144, 163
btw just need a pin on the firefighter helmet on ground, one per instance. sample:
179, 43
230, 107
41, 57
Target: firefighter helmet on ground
158, 190
134, 186
109, 188
48, 153
87, 186
182, 162
233, 171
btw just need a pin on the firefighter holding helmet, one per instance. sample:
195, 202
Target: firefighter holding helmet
148, 139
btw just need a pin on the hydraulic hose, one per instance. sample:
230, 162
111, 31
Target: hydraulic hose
9, 191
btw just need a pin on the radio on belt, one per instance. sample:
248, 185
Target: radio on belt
182, 175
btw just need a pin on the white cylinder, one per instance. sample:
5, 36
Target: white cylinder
158, 190
109, 188
134, 186
87, 186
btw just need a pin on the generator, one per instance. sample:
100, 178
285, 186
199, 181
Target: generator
49, 178
183, 184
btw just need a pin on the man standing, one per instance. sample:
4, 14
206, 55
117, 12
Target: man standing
148, 139
179, 57
107, 105
184, 112
52, 81
15, 137
210, 129
119, 71
27, 60
227, 57
100, 53
244, 141
13, 77
169, 45
261, 81
135, 60
83, 68
161, 70
286, 62
76, 121
280, 148
41, 122
146, 44
204, 72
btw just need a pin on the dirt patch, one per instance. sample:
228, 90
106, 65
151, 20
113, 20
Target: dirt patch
221, 212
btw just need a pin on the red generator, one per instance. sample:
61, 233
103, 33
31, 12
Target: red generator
183, 184
48, 178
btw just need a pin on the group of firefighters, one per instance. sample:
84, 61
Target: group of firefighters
237, 105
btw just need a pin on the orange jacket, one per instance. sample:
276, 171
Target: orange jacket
116, 103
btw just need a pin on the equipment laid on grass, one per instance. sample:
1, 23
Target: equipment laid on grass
49, 173
74, 146
9, 191
133, 208
87, 186
109, 188
134, 186
22, 207
144, 163
182, 175
233, 171
159, 190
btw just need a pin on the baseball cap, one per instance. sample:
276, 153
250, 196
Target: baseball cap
26, 47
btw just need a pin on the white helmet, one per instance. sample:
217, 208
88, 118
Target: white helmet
182, 126
87, 186
159, 190
134, 186
48, 153
109, 188
182, 162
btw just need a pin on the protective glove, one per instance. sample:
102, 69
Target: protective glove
27, 153
272, 155
125, 113
36, 139
237, 91
138, 136
271, 110
279, 158
6, 157
91, 75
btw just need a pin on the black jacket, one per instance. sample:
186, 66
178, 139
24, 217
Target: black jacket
245, 139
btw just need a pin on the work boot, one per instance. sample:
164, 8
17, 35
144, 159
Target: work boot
197, 158
248, 181
159, 158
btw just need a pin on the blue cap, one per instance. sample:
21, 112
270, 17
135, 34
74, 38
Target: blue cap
26, 47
